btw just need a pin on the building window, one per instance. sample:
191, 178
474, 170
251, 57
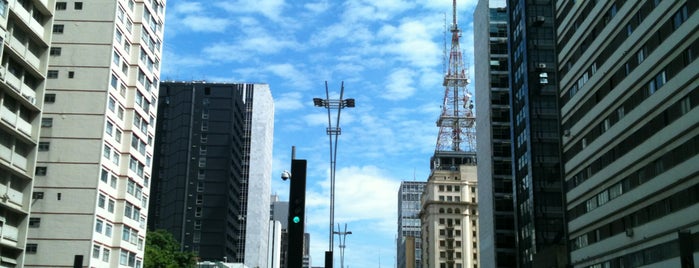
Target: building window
55, 51
34, 222
44, 146
50, 98
101, 201
96, 251
31, 248
3, 8
108, 229
61, 5
52, 74
71, 74
78, 5
40, 171
58, 28
38, 195
98, 226
105, 255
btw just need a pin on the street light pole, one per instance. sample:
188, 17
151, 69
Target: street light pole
333, 132
342, 236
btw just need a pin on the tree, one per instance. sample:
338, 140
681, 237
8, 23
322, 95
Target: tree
163, 251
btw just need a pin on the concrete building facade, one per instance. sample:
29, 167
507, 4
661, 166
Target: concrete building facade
409, 240
279, 212
25, 35
629, 90
257, 170
98, 125
496, 210
449, 214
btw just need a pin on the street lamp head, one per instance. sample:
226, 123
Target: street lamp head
318, 102
348, 103
349, 232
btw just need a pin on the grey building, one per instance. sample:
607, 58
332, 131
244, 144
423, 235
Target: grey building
496, 209
24, 48
98, 124
409, 196
215, 148
629, 90
536, 157
279, 211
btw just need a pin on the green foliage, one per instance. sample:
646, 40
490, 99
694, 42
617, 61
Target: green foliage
163, 251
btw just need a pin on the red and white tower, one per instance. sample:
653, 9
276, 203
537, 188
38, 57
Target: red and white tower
457, 121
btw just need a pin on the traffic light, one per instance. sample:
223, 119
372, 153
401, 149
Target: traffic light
297, 209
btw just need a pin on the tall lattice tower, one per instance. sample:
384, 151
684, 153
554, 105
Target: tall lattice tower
457, 121
450, 201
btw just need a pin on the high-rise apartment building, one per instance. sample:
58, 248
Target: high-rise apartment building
93, 166
24, 46
495, 208
409, 240
449, 215
212, 172
629, 91
536, 157
198, 167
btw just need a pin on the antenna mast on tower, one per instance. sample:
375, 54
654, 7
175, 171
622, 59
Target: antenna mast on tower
457, 120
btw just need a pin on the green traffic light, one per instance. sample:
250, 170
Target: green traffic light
296, 219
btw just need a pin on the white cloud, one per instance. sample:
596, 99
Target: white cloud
317, 7
271, 9
361, 193
203, 23
288, 101
194, 16
298, 79
400, 85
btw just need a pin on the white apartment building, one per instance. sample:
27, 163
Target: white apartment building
449, 213
95, 149
25, 34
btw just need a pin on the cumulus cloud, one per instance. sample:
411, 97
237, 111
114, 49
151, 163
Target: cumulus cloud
288, 101
271, 9
196, 17
400, 85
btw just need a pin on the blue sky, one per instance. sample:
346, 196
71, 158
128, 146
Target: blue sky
389, 53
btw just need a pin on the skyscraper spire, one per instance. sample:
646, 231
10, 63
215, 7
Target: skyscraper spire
457, 121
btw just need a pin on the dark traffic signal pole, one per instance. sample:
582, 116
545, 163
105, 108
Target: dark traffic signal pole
297, 208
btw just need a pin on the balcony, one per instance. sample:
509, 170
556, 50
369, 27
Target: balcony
13, 81
8, 116
24, 126
5, 154
19, 161
9, 235
15, 197
22, 13
37, 28
16, 121
29, 94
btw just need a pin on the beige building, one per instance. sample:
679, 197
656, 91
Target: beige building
25, 33
629, 92
95, 149
450, 212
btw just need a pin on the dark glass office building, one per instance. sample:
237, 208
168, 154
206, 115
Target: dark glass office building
197, 171
537, 193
